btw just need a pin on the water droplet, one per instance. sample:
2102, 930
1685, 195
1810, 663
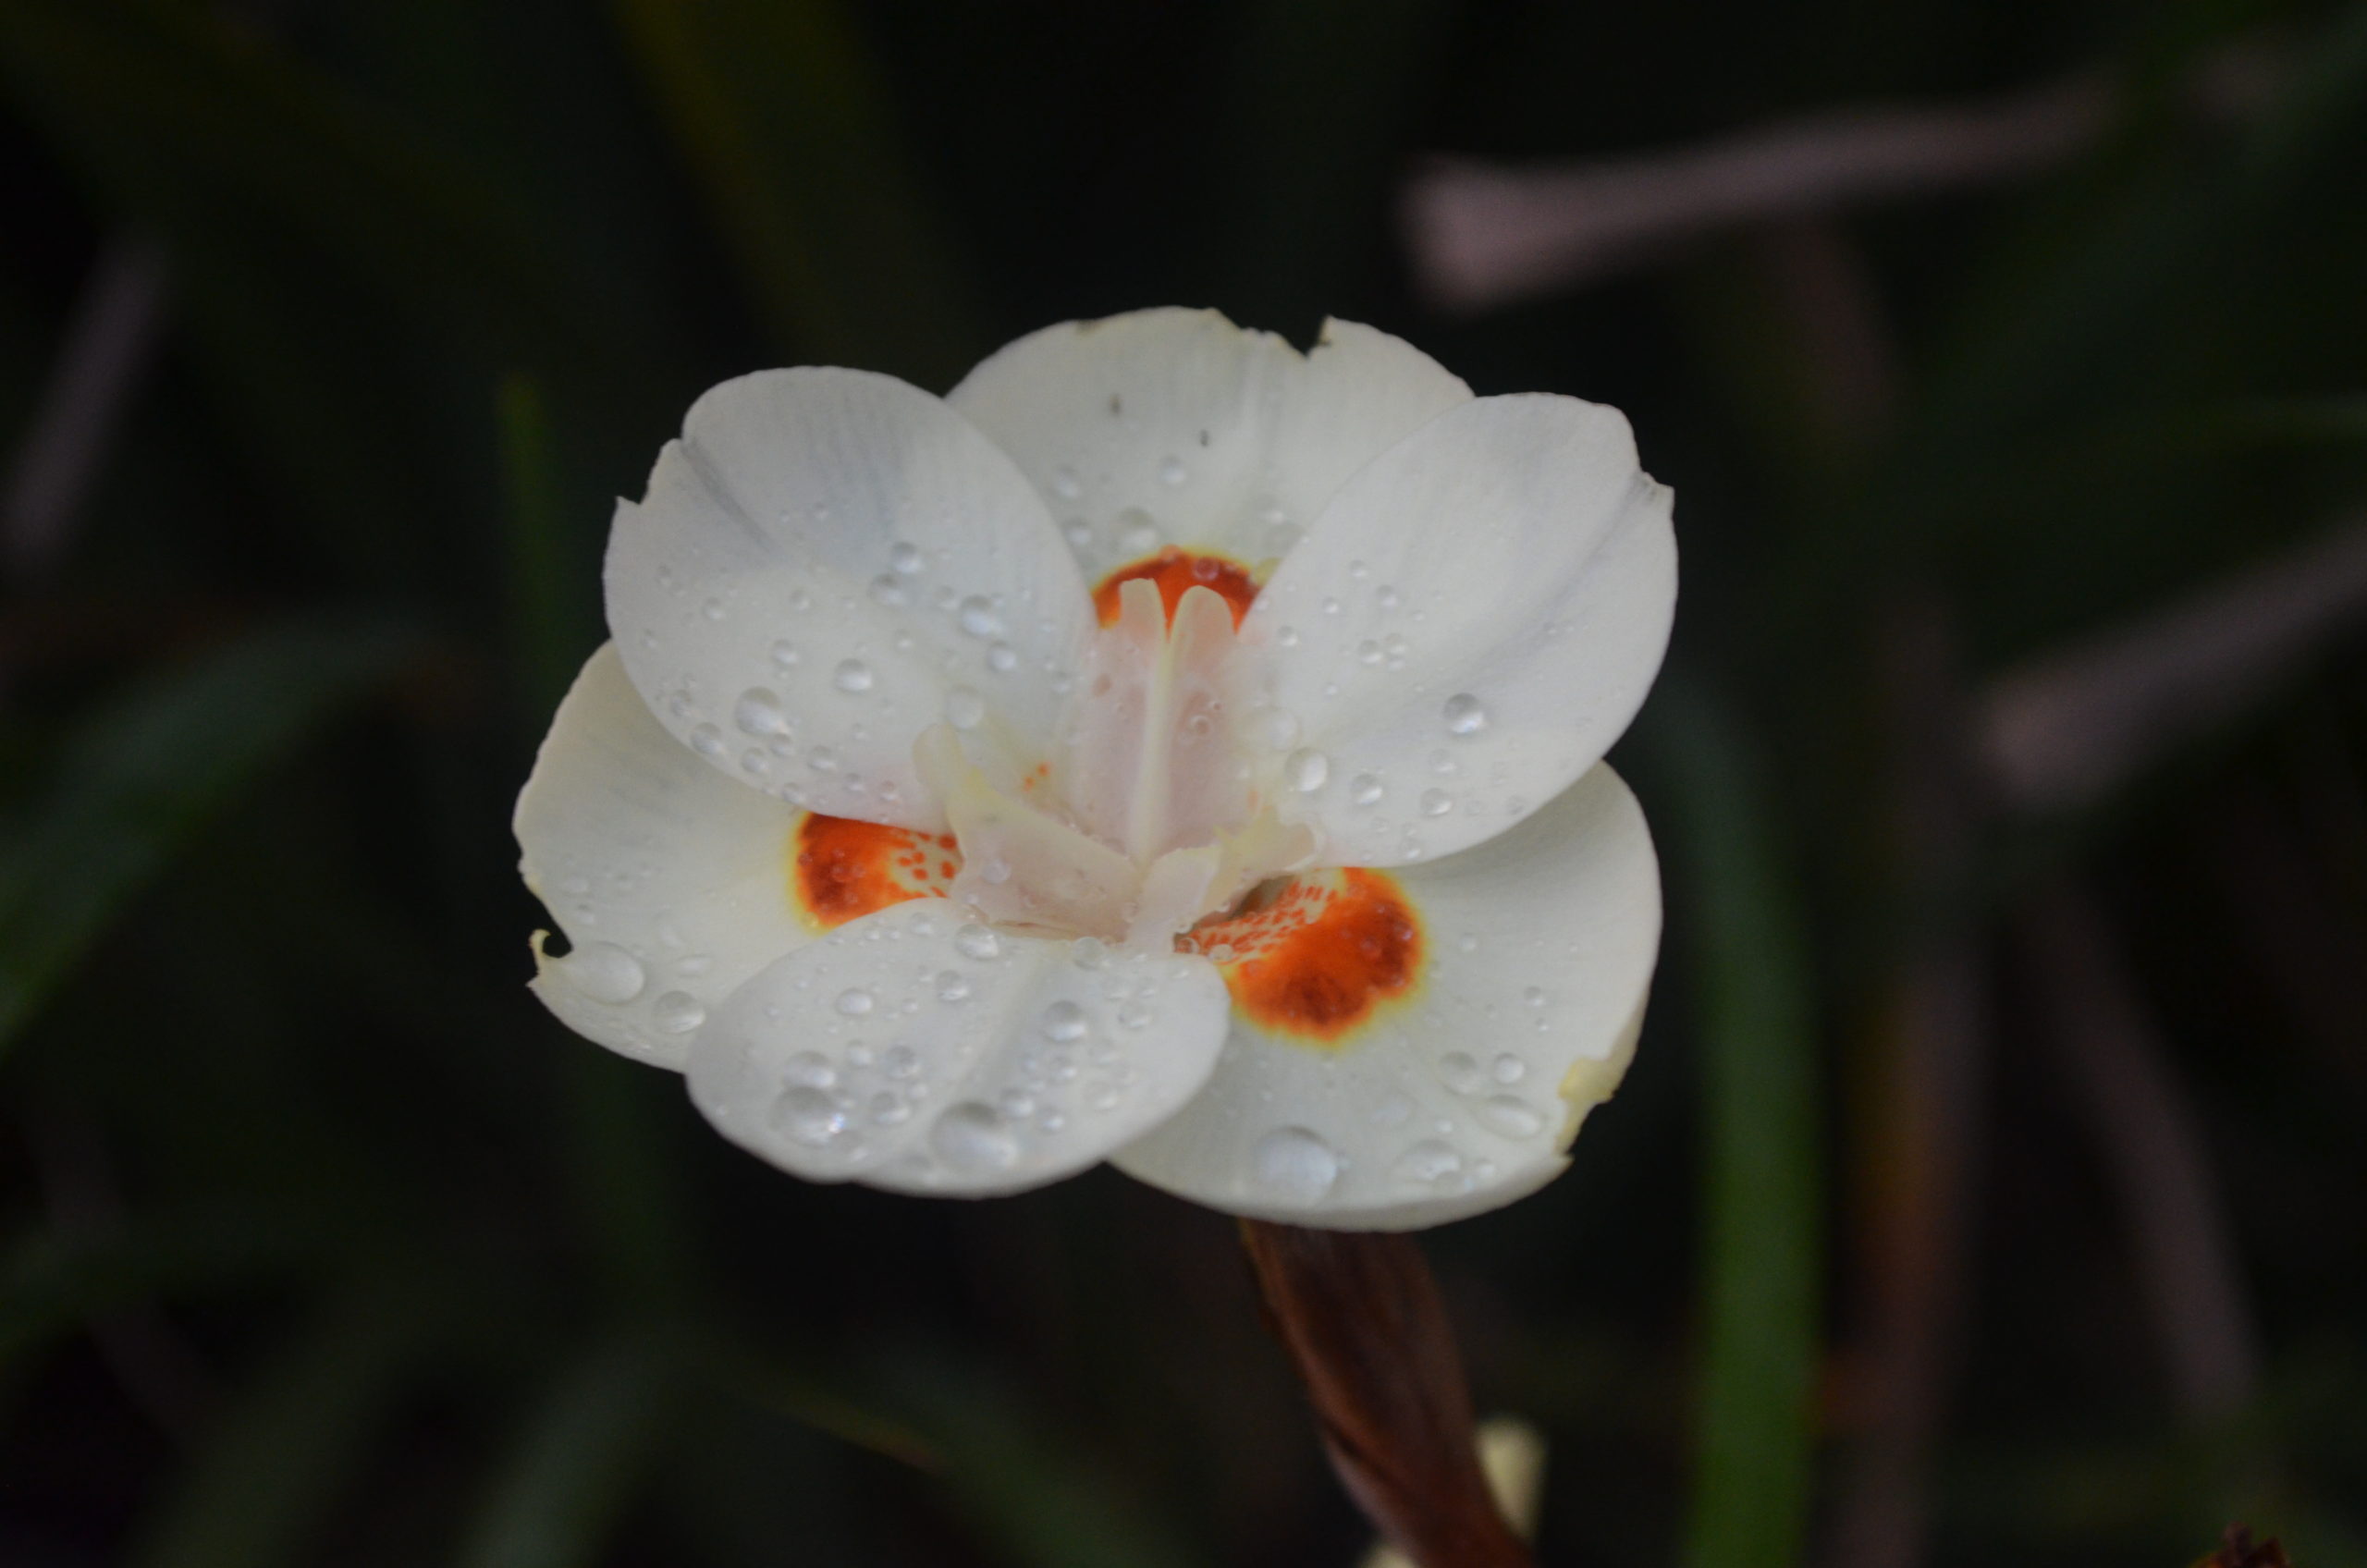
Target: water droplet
1102, 1094
965, 709
1465, 714
810, 1069
1394, 1111
1436, 802
1427, 1164
974, 1137
1534, 996
677, 1012
853, 675
604, 972
1137, 535
1065, 486
1001, 659
1172, 472
1287, 636
1134, 1015
1366, 790
855, 1001
1064, 1022
1468, 942
890, 590
1221, 953
1295, 1163
1510, 1115
785, 653
808, 1116
1385, 596
1088, 952
1306, 770
951, 987
707, 741
1508, 1069
976, 941
906, 558
1079, 533
1459, 1073
758, 712
978, 619
900, 1062
1281, 730
712, 609
889, 1109
821, 759
1368, 653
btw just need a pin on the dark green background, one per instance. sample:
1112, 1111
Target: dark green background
324, 1245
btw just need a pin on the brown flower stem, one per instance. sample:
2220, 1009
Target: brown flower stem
1362, 1319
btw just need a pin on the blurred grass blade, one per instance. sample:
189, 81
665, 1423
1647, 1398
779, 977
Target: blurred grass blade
180, 108
146, 773
51, 1284
1761, 1252
284, 1453
1033, 1501
552, 628
572, 1473
782, 117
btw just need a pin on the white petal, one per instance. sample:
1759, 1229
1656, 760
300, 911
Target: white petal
1465, 629
1463, 1095
671, 882
827, 562
908, 1051
1175, 427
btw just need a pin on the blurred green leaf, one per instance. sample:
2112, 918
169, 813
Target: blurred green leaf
147, 772
156, 99
1762, 1259
285, 1450
555, 622
781, 114
574, 1467
1035, 1501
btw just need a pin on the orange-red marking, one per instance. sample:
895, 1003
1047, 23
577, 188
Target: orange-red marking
1320, 958
1176, 571
841, 868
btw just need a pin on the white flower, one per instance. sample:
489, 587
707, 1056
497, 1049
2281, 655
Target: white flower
1168, 749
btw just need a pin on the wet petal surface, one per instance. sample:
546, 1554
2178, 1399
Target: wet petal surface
918, 1052
1460, 1090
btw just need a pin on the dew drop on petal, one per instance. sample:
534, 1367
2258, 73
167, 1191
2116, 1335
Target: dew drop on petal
808, 1116
758, 712
1459, 1073
1065, 1022
1306, 770
974, 1137
1172, 472
889, 589
977, 617
677, 1012
853, 675
1001, 659
1296, 1164
1065, 484
1465, 714
1427, 1164
1137, 535
976, 941
1436, 802
855, 1002
1510, 1116
785, 653
906, 558
707, 741
1508, 1069
965, 709
810, 1069
1366, 790
604, 972
951, 987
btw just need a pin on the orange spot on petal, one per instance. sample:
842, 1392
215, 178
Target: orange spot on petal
1176, 571
840, 869
1322, 957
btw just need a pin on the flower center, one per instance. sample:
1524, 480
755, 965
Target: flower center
1149, 818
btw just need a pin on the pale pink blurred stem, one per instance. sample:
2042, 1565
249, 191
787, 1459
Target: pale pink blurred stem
107, 346
2154, 1151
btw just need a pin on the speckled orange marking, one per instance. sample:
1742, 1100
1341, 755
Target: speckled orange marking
1176, 571
1321, 958
841, 868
